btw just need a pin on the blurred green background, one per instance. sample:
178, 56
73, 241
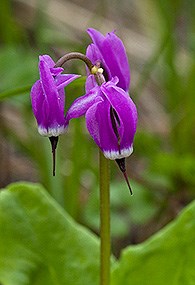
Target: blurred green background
159, 37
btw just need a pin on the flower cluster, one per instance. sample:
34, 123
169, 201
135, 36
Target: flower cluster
110, 113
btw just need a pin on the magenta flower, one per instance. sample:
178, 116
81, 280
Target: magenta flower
48, 98
111, 115
109, 53
111, 118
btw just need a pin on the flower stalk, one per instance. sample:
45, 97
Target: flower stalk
104, 220
104, 186
74, 55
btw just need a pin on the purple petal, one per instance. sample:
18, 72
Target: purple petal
96, 37
50, 115
37, 99
92, 122
115, 141
47, 126
94, 54
116, 58
90, 83
56, 71
114, 81
63, 80
47, 59
121, 102
61, 102
100, 128
126, 111
48, 83
82, 104
113, 55
48, 97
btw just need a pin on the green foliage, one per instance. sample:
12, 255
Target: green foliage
166, 258
40, 243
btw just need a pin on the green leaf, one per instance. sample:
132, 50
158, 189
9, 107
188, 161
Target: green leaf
40, 243
166, 258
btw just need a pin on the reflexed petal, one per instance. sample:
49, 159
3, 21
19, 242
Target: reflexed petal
94, 54
100, 128
90, 83
63, 80
92, 122
47, 59
96, 37
37, 99
61, 100
48, 83
47, 124
116, 58
114, 139
82, 104
114, 81
126, 111
55, 101
56, 71
113, 55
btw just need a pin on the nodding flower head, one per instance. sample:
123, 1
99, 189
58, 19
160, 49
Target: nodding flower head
111, 119
111, 115
48, 98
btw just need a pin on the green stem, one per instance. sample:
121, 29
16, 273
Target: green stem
104, 220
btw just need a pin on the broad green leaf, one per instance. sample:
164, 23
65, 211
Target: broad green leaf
166, 258
40, 244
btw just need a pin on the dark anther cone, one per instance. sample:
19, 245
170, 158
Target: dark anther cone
121, 164
54, 142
